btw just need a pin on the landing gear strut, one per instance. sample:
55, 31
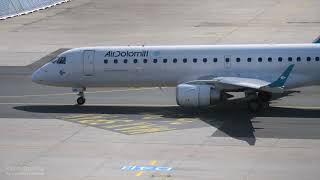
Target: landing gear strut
81, 100
255, 105
258, 101
264, 96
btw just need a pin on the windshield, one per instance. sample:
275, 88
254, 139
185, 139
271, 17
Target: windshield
54, 60
59, 60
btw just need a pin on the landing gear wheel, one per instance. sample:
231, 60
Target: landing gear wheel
255, 105
81, 100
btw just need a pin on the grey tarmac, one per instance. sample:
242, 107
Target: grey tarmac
129, 133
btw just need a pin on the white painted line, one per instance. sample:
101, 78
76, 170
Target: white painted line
123, 105
299, 107
93, 92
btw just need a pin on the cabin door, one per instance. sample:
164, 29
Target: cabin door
88, 62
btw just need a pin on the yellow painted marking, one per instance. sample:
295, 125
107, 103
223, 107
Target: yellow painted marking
150, 130
89, 115
139, 173
123, 125
153, 162
89, 122
151, 117
105, 121
144, 126
181, 121
110, 115
122, 118
88, 118
79, 115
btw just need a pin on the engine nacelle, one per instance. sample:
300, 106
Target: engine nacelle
196, 95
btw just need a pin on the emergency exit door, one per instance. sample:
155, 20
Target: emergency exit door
88, 62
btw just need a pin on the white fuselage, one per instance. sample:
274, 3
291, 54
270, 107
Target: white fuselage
146, 66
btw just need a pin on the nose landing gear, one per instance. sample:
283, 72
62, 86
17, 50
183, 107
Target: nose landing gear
81, 100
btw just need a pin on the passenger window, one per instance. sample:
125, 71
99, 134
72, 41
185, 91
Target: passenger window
215, 59
184, 60
61, 60
115, 61
155, 60
227, 59
205, 60
308, 58
298, 59
195, 60
145, 60
135, 60
289, 59
260, 59
175, 60
317, 58
125, 61
238, 59
249, 59
165, 60
269, 59
105, 61
280, 59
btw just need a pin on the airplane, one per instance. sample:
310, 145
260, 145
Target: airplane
202, 74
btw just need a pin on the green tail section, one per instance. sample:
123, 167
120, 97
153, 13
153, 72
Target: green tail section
282, 79
317, 40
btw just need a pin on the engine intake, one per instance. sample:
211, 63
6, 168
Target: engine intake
197, 95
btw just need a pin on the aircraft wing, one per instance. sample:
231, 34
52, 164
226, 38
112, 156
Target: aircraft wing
226, 83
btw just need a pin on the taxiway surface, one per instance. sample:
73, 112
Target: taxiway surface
129, 133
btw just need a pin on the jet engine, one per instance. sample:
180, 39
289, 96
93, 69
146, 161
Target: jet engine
190, 95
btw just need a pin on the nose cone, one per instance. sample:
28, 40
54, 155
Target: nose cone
36, 76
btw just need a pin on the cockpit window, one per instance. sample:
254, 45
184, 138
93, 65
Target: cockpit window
54, 60
61, 60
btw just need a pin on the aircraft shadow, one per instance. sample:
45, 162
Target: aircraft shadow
237, 121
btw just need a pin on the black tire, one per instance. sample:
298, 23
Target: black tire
255, 105
81, 100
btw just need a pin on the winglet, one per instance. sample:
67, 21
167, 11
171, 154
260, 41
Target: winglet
317, 40
282, 79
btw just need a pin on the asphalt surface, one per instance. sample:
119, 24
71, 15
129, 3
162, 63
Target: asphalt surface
26, 39
40, 120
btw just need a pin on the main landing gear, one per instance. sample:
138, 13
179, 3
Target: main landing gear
258, 101
81, 100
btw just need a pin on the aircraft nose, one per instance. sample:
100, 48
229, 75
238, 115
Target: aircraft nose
36, 76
